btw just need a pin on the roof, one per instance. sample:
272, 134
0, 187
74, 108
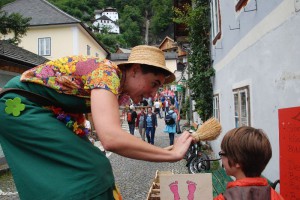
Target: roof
108, 9
166, 38
14, 53
104, 17
122, 50
44, 13
41, 12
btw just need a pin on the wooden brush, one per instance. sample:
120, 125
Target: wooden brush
209, 130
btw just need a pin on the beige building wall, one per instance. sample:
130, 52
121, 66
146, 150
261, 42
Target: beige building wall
171, 64
85, 39
66, 40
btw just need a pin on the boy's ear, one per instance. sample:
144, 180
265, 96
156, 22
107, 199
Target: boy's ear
237, 165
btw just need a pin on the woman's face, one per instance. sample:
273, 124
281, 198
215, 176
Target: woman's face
141, 85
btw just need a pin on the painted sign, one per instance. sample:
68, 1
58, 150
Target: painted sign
186, 186
289, 135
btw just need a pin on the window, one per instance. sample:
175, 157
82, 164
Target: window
97, 55
216, 108
88, 50
240, 4
241, 106
44, 46
215, 21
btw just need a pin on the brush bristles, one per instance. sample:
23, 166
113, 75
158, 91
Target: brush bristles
209, 130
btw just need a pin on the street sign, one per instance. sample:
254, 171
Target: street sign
179, 88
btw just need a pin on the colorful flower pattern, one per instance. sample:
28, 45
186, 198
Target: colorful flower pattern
75, 122
76, 75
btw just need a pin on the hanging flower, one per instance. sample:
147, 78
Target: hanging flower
14, 106
74, 121
69, 124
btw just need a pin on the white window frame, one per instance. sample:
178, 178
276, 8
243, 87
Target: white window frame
216, 107
241, 101
44, 46
215, 19
88, 50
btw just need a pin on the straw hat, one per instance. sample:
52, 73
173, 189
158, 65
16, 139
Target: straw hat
152, 56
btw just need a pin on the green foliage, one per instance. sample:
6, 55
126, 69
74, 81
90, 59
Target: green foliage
132, 17
162, 15
197, 18
13, 23
111, 41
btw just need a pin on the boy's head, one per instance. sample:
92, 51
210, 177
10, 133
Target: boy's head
248, 147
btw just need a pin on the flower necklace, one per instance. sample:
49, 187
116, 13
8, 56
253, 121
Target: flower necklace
74, 121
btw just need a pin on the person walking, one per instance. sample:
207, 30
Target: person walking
178, 131
170, 120
131, 117
150, 125
140, 123
42, 123
157, 108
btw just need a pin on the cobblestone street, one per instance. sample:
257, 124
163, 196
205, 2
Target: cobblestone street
133, 177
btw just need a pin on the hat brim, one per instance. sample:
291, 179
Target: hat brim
168, 79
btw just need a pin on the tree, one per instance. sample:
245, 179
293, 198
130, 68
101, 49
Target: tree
162, 15
197, 19
13, 23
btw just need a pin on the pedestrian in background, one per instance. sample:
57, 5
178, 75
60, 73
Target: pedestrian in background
44, 141
131, 117
140, 123
157, 108
170, 120
150, 124
178, 131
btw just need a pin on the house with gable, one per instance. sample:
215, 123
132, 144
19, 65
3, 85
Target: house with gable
53, 33
107, 18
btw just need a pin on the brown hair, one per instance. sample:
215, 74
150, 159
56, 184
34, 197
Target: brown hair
248, 147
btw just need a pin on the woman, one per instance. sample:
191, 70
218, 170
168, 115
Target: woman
140, 123
171, 128
150, 122
42, 126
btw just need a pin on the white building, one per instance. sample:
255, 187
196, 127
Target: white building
255, 53
107, 18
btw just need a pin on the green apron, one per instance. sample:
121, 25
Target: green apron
47, 159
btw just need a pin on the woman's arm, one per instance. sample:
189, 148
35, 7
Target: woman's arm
105, 112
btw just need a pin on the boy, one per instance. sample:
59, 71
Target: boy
245, 153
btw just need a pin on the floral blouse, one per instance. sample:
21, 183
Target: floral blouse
78, 75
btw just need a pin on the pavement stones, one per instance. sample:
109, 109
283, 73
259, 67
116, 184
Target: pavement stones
133, 177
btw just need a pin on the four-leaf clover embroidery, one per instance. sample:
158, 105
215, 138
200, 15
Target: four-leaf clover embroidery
14, 106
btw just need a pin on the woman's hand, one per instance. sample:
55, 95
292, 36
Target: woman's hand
106, 117
182, 144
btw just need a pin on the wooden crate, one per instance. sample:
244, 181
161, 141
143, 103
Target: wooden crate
154, 191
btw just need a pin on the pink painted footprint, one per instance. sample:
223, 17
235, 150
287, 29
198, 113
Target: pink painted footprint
191, 189
174, 189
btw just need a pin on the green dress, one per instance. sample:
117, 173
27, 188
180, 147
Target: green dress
47, 156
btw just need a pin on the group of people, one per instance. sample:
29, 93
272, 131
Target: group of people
43, 134
146, 122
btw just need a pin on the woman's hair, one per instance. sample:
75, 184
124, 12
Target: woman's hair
148, 69
172, 107
249, 147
